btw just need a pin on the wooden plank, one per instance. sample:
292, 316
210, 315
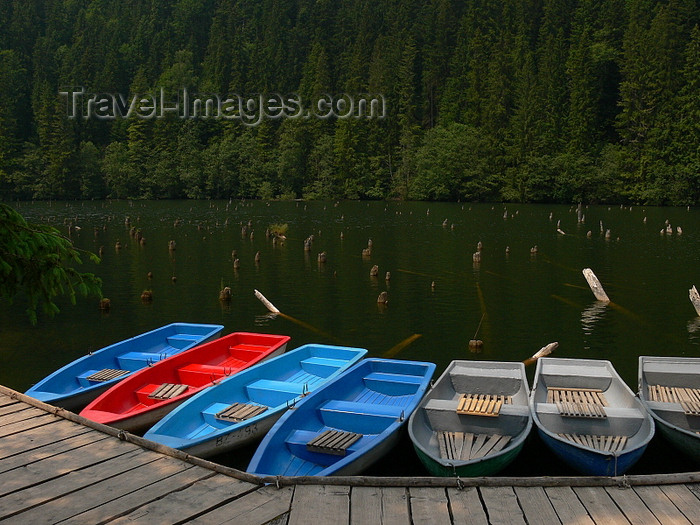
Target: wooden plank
632, 506
379, 505
6, 400
684, 500
429, 505
99, 493
23, 415
121, 505
259, 507
21, 426
107, 374
184, 505
325, 504
536, 506
52, 449
29, 497
14, 406
567, 506
465, 506
34, 438
58, 465
600, 505
659, 504
502, 506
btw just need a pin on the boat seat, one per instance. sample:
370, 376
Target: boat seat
106, 374
482, 404
604, 443
611, 412
322, 366
181, 341
578, 402
272, 393
334, 442
195, 373
393, 384
450, 405
167, 391
138, 360
688, 398
464, 446
240, 412
367, 418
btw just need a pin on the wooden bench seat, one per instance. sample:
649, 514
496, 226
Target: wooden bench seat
167, 391
107, 374
334, 442
604, 443
464, 446
688, 398
482, 404
578, 402
240, 412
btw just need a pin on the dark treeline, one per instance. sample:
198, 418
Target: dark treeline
532, 100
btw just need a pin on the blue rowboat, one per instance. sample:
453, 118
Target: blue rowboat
82, 380
347, 424
588, 416
669, 387
475, 419
243, 407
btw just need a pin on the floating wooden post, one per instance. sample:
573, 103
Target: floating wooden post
544, 351
695, 298
374, 271
595, 285
383, 298
267, 303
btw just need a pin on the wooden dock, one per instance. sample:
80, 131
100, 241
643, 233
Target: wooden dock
56, 467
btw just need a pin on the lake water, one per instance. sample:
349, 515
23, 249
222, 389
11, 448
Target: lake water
518, 301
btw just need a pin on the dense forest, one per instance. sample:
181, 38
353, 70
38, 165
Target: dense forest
530, 101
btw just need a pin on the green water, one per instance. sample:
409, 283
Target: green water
529, 300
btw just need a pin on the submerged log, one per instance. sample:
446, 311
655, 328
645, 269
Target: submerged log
595, 285
695, 298
267, 303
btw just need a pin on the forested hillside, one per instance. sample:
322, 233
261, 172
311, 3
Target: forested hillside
529, 100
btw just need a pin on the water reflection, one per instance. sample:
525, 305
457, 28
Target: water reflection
591, 316
694, 330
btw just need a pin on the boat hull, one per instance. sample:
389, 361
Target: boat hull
274, 386
486, 467
674, 424
622, 417
70, 388
683, 440
438, 414
591, 462
369, 404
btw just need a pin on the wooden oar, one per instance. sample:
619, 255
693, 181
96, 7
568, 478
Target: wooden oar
545, 350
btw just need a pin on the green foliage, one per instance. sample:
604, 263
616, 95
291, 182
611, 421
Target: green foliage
539, 100
37, 261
